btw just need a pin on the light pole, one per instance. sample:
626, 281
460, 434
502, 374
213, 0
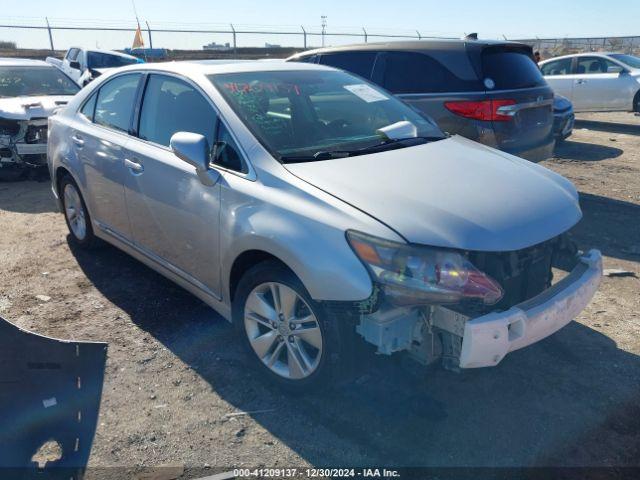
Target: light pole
323, 19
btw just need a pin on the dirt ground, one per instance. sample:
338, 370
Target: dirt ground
175, 372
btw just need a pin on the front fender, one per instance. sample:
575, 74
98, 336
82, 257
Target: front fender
322, 260
305, 232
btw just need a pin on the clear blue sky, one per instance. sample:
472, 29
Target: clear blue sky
490, 18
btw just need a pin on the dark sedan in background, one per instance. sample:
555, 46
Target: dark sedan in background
489, 91
563, 117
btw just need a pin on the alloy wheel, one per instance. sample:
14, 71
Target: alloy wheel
283, 330
74, 211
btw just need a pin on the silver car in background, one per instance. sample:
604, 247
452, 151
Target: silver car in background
311, 208
596, 81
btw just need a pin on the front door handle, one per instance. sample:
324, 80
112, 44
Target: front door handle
77, 139
135, 167
580, 81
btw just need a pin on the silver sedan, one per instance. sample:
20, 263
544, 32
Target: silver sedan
311, 208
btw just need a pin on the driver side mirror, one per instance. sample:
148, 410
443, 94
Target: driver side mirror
615, 69
74, 64
193, 148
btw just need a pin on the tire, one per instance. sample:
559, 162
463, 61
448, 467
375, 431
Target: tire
302, 358
636, 102
76, 214
12, 173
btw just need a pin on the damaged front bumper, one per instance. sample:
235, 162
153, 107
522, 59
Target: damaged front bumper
465, 340
23, 142
487, 339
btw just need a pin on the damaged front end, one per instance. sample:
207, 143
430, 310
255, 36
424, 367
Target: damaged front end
469, 309
50, 394
23, 135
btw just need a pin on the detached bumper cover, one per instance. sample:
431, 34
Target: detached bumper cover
49, 391
487, 339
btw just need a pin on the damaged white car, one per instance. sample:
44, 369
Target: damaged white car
30, 91
308, 207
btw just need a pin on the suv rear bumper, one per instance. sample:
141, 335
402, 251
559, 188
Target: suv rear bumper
537, 154
487, 339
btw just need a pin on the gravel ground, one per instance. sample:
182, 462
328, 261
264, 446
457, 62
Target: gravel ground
174, 371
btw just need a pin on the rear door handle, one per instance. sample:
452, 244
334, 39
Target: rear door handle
77, 139
135, 167
581, 81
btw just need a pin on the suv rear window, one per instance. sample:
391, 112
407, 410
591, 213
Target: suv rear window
413, 72
360, 63
509, 69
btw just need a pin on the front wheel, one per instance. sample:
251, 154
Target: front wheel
286, 333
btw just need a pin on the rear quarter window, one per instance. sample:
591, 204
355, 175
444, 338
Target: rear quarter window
414, 72
510, 69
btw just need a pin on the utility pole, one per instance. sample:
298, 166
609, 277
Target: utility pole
323, 19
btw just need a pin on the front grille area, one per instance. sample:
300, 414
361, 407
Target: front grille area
522, 274
36, 134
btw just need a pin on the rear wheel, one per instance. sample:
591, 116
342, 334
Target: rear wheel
76, 214
288, 336
636, 102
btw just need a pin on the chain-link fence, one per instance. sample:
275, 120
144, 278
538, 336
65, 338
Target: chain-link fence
216, 39
553, 47
59, 34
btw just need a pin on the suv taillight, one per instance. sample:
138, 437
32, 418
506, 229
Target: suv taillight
487, 110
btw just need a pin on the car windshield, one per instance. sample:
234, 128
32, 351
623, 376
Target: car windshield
314, 115
33, 81
633, 62
105, 60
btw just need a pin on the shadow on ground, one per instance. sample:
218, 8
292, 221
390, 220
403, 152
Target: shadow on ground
559, 402
585, 152
27, 196
609, 225
612, 127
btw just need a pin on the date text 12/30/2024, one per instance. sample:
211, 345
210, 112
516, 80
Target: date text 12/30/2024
316, 473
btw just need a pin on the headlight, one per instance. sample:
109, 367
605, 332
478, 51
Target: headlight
414, 275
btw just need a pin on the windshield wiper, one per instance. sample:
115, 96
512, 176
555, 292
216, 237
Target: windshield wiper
333, 154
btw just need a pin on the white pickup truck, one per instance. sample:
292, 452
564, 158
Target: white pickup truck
83, 65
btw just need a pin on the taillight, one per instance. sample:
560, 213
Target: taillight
487, 110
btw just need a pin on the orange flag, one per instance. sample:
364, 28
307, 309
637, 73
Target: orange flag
138, 42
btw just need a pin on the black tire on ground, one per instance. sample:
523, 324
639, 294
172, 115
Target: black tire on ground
636, 102
88, 240
12, 173
336, 332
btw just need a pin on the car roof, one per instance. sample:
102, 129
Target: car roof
416, 45
583, 54
221, 66
22, 62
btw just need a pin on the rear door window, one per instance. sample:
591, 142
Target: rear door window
507, 69
360, 63
116, 99
413, 72
171, 105
557, 67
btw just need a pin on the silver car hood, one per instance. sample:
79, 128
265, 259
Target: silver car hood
452, 193
26, 108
